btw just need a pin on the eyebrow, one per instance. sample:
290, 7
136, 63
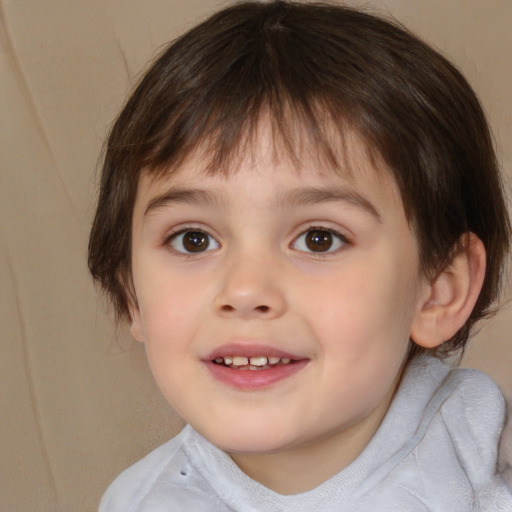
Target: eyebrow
314, 195
296, 198
181, 195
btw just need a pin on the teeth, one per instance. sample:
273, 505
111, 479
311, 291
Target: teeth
253, 362
258, 361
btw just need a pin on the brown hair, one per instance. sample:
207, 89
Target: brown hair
310, 65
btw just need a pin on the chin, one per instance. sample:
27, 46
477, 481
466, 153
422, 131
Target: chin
248, 440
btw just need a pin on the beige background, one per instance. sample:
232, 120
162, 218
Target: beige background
77, 402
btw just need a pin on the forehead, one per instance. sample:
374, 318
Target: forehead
267, 166
334, 147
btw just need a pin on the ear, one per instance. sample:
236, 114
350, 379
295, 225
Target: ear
125, 279
135, 318
450, 297
136, 324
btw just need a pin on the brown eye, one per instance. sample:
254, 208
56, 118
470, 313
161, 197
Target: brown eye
319, 241
193, 242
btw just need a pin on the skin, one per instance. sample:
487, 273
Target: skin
348, 311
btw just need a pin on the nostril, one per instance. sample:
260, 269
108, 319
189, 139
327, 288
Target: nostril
229, 309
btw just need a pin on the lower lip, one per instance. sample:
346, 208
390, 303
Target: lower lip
253, 380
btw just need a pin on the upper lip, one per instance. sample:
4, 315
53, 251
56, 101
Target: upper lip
250, 350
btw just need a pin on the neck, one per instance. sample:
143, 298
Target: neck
300, 469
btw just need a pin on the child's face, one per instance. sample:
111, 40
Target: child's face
275, 262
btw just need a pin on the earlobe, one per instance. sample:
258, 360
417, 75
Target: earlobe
136, 324
126, 281
451, 296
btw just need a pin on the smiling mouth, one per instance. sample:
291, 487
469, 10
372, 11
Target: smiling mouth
252, 363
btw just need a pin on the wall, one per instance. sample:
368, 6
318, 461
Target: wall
77, 401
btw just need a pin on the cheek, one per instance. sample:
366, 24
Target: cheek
367, 307
166, 294
169, 319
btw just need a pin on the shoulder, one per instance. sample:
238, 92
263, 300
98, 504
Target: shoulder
460, 400
466, 410
457, 396
458, 443
473, 409
160, 481
131, 483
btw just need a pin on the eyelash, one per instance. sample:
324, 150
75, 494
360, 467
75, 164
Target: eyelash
189, 229
340, 241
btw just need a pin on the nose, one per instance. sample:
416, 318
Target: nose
250, 289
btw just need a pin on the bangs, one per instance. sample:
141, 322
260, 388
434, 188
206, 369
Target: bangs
211, 88
302, 134
310, 78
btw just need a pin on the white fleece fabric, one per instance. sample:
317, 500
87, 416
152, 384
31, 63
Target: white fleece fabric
435, 451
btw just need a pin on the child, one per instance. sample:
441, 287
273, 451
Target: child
301, 215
